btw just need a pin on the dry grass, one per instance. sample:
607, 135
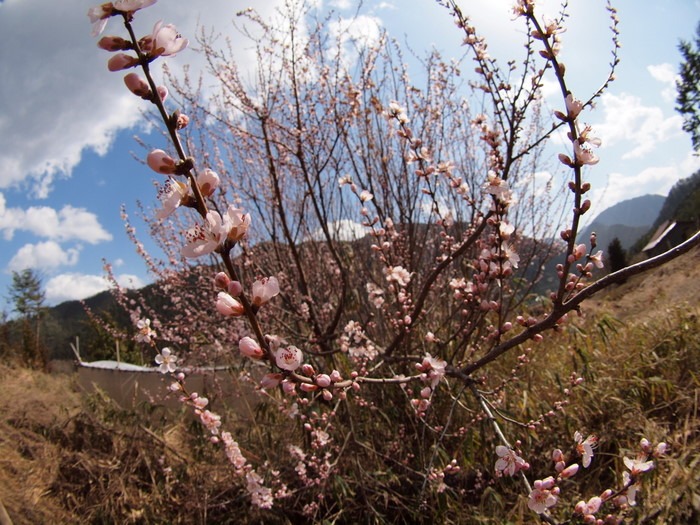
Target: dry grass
69, 458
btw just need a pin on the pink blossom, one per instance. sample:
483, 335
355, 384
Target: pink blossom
583, 154
121, 61
505, 230
496, 186
540, 500
233, 451
129, 6
237, 223
264, 290
573, 106
145, 333
434, 367
210, 420
511, 256
99, 15
203, 240
398, 274
171, 195
638, 465
289, 358
163, 41
249, 347
260, 495
167, 361
509, 462
597, 259
228, 306
585, 447
160, 162
366, 196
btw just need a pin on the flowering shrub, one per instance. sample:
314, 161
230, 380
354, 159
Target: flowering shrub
371, 246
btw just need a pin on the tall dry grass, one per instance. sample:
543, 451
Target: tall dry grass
69, 458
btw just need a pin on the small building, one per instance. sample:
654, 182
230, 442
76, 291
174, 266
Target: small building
669, 235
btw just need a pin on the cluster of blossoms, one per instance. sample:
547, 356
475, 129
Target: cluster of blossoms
432, 370
215, 233
494, 259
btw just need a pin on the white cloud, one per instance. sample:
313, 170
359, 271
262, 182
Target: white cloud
68, 223
666, 74
362, 31
74, 286
656, 180
628, 120
43, 256
57, 96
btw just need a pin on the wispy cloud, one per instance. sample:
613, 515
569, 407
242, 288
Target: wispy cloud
636, 127
666, 74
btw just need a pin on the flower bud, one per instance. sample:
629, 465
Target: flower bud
161, 162
207, 181
228, 306
121, 61
222, 280
113, 43
249, 347
235, 288
137, 85
323, 380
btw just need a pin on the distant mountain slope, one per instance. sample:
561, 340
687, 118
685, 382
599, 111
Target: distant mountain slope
627, 220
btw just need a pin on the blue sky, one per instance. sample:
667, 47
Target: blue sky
67, 124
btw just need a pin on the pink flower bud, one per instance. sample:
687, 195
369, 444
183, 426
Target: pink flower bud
594, 504
121, 61
161, 162
182, 121
323, 380
569, 471
288, 387
137, 85
162, 92
113, 43
660, 449
249, 347
208, 181
307, 370
306, 387
228, 306
327, 395
235, 288
335, 376
222, 280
